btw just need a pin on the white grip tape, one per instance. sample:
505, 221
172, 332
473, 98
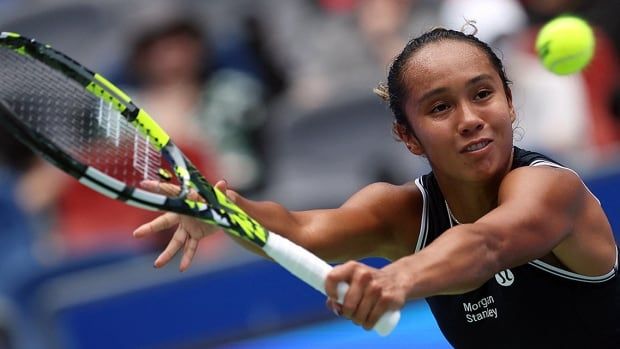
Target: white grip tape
313, 270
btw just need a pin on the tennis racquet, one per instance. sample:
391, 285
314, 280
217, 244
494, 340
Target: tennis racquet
89, 128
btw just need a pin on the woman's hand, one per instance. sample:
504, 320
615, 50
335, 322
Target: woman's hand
371, 292
189, 230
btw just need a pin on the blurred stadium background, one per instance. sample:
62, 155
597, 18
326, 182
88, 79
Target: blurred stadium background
280, 94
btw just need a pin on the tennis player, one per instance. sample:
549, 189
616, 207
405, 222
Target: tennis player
509, 248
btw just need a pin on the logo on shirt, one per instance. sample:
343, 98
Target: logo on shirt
505, 277
480, 310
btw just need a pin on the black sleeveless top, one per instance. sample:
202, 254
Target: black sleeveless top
535, 305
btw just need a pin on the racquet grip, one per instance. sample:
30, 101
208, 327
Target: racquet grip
313, 270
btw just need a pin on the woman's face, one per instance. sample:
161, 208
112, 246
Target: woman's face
459, 111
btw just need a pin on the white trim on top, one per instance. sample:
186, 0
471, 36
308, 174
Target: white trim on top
423, 233
574, 276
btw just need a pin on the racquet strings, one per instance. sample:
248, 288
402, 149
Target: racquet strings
82, 125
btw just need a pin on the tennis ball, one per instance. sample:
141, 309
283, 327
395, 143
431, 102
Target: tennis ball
565, 45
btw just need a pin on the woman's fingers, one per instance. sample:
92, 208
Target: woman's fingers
173, 189
175, 244
366, 307
364, 302
191, 245
355, 295
165, 221
334, 306
232, 195
221, 185
169, 189
373, 317
158, 187
188, 232
194, 196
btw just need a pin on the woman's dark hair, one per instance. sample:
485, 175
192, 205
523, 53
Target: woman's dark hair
395, 92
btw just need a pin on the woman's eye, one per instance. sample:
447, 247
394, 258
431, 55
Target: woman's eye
483, 94
440, 108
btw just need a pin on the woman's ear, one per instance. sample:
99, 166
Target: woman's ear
406, 136
513, 114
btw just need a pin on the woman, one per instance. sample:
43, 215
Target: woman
509, 248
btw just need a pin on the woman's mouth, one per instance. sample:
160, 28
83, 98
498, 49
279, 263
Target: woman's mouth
476, 146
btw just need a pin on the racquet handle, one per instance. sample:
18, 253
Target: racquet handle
313, 270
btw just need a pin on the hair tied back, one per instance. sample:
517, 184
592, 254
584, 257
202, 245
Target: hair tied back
469, 28
382, 91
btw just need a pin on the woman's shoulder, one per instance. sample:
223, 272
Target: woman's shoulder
530, 167
394, 204
384, 193
550, 179
400, 208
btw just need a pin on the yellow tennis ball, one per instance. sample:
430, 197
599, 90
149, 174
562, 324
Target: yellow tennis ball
565, 45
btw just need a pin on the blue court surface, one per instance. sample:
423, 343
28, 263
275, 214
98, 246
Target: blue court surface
417, 329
